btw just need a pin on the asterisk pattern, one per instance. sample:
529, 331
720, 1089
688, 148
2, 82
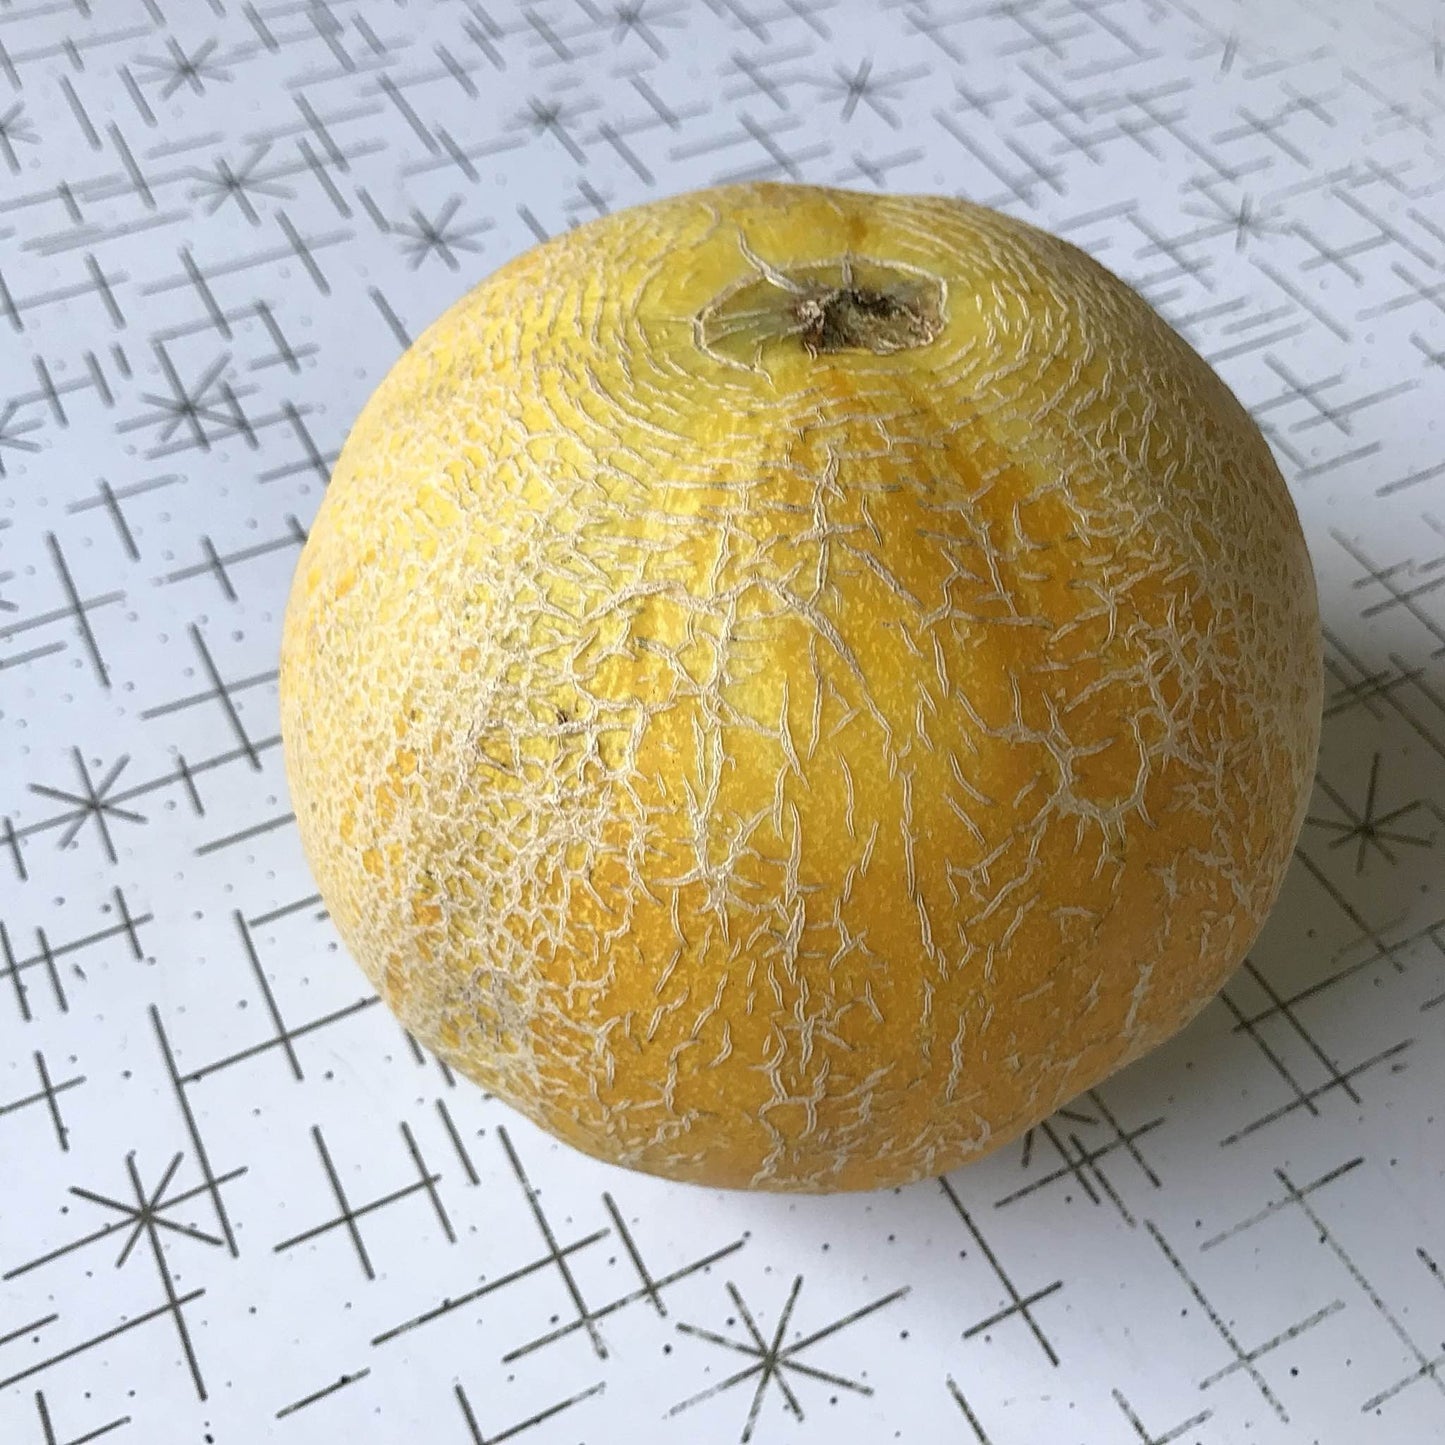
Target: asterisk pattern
178, 68
1370, 828
223, 182
197, 407
425, 236
773, 1362
1244, 219
91, 803
552, 117
12, 433
146, 1214
14, 127
143, 1217
862, 86
639, 18
221, 224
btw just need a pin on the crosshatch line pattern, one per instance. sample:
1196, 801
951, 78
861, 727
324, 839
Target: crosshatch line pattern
239, 1203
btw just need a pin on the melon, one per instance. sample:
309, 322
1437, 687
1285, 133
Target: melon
788, 687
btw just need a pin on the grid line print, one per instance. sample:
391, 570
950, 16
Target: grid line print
239, 1203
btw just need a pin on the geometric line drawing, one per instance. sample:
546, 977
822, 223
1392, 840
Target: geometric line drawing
48, 1094
350, 1215
650, 1289
1168, 1436
285, 1035
90, 804
773, 1363
1021, 1305
1293, 1197
1427, 1368
968, 1412
1081, 1161
219, 565
469, 1414
144, 1218
221, 692
321, 1394
1245, 1360
218, 233
1368, 828
556, 1256
77, 608
84, 807
47, 1428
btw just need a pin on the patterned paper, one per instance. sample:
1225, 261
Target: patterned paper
236, 1202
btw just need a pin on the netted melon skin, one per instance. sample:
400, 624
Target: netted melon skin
770, 761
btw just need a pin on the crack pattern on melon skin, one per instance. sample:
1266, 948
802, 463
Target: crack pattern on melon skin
805, 776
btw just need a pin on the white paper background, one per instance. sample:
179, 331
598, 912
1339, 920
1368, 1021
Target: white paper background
218, 221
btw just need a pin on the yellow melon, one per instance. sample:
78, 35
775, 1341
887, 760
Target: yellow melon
788, 687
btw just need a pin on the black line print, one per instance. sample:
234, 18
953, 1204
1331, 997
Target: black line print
221, 224
1019, 1304
774, 1362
